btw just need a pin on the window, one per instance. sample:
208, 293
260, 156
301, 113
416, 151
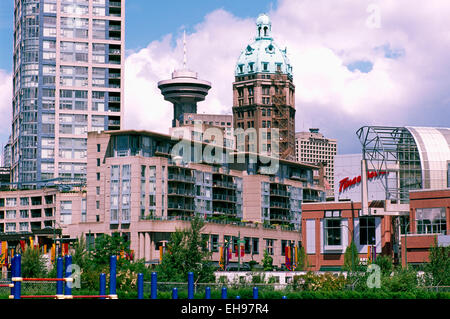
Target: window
247, 245
98, 176
214, 243
269, 246
333, 232
98, 162
431, 220
367, 231
98, 147
97, 189
255, 246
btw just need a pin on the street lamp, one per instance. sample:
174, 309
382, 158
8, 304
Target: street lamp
406, 246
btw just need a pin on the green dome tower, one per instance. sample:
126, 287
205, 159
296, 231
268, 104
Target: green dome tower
264, 93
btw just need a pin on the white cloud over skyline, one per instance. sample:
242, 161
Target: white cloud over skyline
407, 83
407, 51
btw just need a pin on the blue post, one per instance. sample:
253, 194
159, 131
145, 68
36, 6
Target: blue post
17, 274
284, 297
102, 291
238, 297
255, 292
112, 276
207, 293
140, 285
154, 285
13, 273
68, 265
190, 285
174, 293
59, 274
224, 292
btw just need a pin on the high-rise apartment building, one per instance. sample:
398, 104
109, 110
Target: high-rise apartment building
68, 80
264, 95
313, 147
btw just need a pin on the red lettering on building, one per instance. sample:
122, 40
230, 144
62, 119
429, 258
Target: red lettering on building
347, 182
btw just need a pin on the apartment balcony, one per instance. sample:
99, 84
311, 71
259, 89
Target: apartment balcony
114, 99
180, 192
114, 123
114, 27
280, 218
115, 4
181, 206
115, 52
279, 205
181, 178
278, 192
224, 211
223, 184
224, 197
114, 109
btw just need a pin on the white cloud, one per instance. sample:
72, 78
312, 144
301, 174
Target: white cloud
322, 38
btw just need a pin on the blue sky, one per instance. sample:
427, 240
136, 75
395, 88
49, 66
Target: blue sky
164, 16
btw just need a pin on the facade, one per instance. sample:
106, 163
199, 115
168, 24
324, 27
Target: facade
313, 147
264, 96
67, 81
328, 228
138, 186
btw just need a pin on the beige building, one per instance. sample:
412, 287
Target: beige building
136, 189
312, 147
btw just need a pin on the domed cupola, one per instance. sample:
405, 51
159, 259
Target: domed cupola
263, 54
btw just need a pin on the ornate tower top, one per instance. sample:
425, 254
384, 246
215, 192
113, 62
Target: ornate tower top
263, 54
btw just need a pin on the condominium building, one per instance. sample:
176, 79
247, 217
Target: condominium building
67, 81
313, 147
144, 185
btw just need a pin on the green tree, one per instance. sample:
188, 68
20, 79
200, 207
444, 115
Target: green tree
438, 269
385, 263
302, 260
267, 262
79, 252
106, 246
351, 258
33, 263
186, 252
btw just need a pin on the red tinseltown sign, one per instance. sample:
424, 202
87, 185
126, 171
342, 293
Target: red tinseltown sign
346, 182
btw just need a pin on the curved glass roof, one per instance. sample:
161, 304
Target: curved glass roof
433, 144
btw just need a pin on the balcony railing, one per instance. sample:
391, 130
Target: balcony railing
279, 192
224, 197
224, 184
181, 178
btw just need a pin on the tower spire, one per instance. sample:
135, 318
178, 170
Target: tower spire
184, 50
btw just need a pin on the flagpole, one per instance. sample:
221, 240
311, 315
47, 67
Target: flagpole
239, 251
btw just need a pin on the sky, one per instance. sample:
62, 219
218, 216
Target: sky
355, 62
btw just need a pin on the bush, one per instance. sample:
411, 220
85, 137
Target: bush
322, 282
33, 263
385, 263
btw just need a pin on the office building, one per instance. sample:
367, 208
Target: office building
313, 147
67, 81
